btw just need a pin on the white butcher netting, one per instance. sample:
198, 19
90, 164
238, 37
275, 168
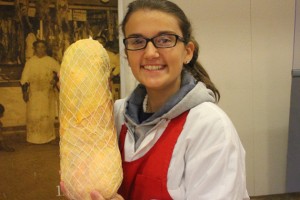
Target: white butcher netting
89, 153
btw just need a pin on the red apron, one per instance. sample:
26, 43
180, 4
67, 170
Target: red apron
146, 177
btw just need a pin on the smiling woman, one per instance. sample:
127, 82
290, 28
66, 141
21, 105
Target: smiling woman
162, 66
170, 129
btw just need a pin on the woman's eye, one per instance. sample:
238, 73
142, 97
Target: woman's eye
163, 40
138, 41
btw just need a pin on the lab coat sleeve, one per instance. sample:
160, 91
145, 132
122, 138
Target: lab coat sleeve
215, 167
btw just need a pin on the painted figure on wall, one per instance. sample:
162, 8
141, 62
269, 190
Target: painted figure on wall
38, 87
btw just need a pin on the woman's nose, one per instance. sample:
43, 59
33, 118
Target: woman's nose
151, 51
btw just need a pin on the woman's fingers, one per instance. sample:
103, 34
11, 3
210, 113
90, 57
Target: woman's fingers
63, 188
95, 195
118, 197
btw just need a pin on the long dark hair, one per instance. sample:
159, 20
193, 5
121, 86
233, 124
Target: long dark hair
194, 67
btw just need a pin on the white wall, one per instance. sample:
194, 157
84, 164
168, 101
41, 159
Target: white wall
273, 30
247, 48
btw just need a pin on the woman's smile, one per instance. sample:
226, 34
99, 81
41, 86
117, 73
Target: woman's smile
153, 67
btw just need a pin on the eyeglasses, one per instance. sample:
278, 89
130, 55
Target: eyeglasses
161, 41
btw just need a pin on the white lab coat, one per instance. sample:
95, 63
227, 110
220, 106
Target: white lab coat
208, 161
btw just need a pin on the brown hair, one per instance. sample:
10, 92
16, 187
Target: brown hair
194, 67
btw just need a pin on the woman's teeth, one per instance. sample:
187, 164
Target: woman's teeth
152, 67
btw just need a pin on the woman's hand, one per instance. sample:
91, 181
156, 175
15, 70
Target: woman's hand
95, 195
62, 188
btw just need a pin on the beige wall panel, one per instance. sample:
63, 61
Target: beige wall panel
223, 31
272, 39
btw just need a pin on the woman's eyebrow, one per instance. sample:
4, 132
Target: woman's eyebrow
166, 32
159, 33
134, 35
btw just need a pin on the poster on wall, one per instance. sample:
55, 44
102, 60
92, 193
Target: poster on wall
30, 170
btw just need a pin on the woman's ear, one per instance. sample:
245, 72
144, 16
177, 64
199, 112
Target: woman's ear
190, 47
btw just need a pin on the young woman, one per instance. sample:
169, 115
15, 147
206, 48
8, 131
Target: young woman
176, 143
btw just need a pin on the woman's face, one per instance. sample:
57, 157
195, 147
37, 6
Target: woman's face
157, 68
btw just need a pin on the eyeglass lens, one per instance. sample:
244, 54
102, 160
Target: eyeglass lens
161, 41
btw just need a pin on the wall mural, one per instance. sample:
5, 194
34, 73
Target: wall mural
29, 170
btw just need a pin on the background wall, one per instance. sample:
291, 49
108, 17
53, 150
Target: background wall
293, 157
247, 48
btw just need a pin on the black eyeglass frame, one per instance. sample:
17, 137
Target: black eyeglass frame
177, 37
